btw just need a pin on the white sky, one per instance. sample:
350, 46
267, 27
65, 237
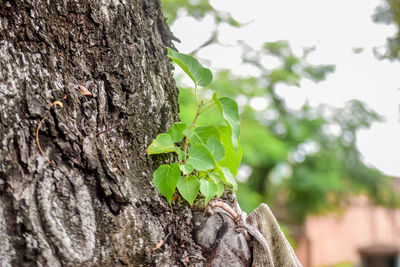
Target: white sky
335, 27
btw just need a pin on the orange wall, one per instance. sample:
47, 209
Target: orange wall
336, 238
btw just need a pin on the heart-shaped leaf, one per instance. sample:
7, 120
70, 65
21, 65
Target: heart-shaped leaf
221, 189
229, 178
230, 112
186, 168
218, 181
208, 188
181, 154
166, 178
216, 148
200, 135
215, 177
176, 131
192, 67
200, 157
162, 144
189, 188
232, 159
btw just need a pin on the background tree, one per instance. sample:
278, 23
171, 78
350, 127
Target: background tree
93, 202
389, 13
302, 161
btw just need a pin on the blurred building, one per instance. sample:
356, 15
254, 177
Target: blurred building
363, 235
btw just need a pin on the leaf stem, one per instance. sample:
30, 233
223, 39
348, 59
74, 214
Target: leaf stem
209, 101
196, 116
207, 108
195, 93
186, 141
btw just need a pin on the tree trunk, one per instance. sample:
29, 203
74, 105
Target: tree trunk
92, 203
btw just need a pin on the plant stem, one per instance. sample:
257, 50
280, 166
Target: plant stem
207, 108
185, 147
186, 141
196, 116
209, 101
195, 93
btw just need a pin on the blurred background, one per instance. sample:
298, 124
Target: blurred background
317, 84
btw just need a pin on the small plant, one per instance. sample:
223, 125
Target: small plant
208, 157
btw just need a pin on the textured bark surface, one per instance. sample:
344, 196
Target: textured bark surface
95, 204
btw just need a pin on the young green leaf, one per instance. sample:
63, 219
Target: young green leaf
208, 188
189, 188
216, 148
162, 144
230, 112
200, 135
221, 188
218, 181
191, 66
215, 177
181, 154
200, 157
176, 131
186, 168
231, 159
229, 178
166, 178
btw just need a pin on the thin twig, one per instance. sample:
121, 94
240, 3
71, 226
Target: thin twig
55, 103
160, 243
213, 39
186, 140
195, 93
207, 108
37, 139
109, 129
196, 116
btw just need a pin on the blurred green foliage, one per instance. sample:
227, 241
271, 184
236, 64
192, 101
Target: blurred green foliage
389, 13
302, 161
197, 9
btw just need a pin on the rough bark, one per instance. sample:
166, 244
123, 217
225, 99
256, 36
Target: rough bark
94, 204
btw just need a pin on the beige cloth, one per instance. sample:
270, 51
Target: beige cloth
271, 249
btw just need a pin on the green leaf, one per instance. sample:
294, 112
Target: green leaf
200, 135
216, 148
215, 177
221, 189
200, 157
166, 178
276, 48
176, 131
232, 159
181, 154
191, 66
208, 188
162, 144
230, 112
218, 181
189, 188
288, 77
319, 72
229, 178
186, 168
